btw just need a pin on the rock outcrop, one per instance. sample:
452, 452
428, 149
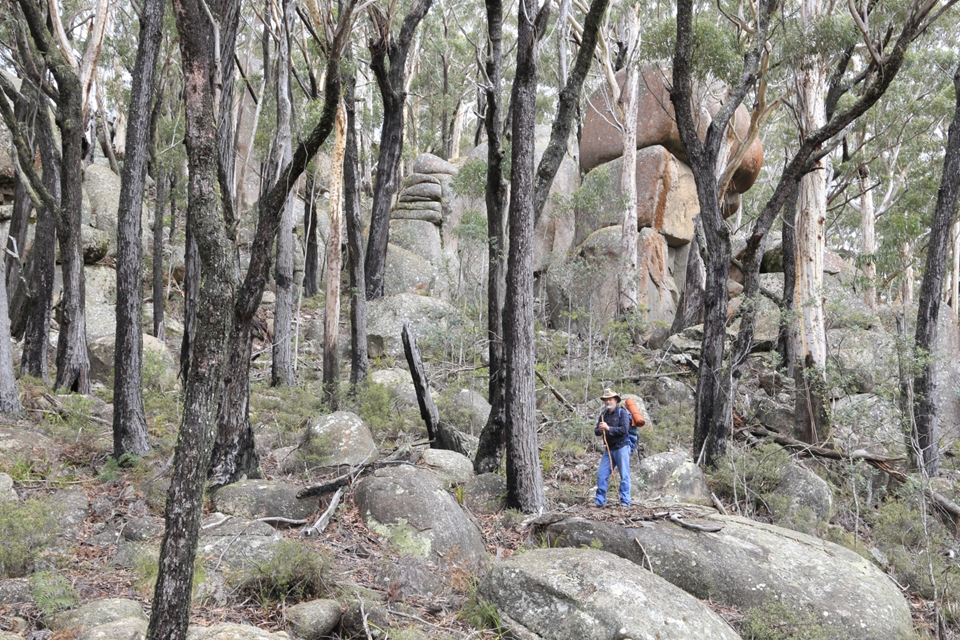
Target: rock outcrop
749, 564
594, 595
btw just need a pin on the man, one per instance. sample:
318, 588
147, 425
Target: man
614, 426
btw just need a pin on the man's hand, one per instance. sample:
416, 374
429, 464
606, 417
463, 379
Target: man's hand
604, 427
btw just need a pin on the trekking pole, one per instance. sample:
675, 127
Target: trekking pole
609, 453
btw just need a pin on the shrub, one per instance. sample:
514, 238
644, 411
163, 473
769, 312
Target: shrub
293, 572
751, 474
25, 530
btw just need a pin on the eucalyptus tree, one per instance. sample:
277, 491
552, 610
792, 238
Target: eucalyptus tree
924, 384
234, 454
524, 477
494, 434
73, 76
129, 420
388, 60
713, 418
282, 366
209, 222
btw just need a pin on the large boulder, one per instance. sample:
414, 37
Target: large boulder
102, 186
160, 370
486, 493
673, 476
411, 509
749, 564
602, 139
594, 595
263, 499
588, 282
407, 272
419, 237
868, 422
98, 612
864, 359
336, 439
802, 489
386, 315
666, 197
100, 297
231, 631
94, 244
451, 467
314, 619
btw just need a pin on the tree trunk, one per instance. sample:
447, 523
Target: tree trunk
27, 113
36, 292
282, 370
492, 441
159, 297
73, 364
391, 83
811, 348
524, 477
629, 296
787, 335
311, 264
690, 305
234, 454
955, 280
867, 228
354, 228
331, 325
924, 385
9, 393
171, 602
191, 291
906, 282
129, 421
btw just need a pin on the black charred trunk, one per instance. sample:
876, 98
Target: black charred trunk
493, 437
354, 228
524, 477
388, 62
129, 420
311, 265
925, 384
159, 294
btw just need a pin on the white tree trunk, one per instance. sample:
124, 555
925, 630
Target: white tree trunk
906, 285
283, 315
628, 297
867, 227
812, 205
331, 324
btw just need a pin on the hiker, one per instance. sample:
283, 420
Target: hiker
614, 426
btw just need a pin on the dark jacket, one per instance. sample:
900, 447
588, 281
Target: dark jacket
619, 423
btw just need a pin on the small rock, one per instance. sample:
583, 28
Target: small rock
376, 617
98, 612
263, 499
313, 620
451, 467
486, 493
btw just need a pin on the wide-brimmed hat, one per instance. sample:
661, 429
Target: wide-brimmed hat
610, 393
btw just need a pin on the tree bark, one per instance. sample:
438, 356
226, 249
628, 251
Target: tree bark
311, 263
9, 392
715, 390
524, 477
234, 453
690, 305
786, 336
282, 369
129, 421
813, 410
171, 602
73, 365
191, 291
492, 441
159, 296
384, 47
868, 231
629, 297
354, 228
36, 291
26, 112
925, 435
331, 325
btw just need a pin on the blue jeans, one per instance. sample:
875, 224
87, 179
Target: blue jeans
621, 459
